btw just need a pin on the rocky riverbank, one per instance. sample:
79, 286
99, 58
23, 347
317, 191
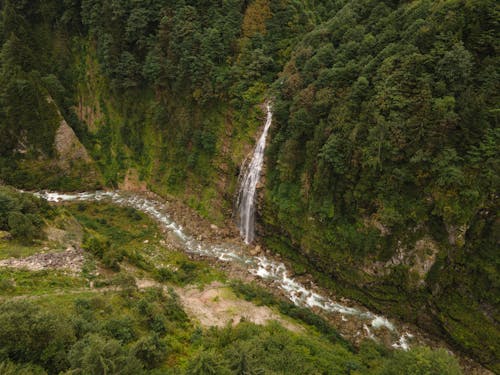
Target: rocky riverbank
187, 231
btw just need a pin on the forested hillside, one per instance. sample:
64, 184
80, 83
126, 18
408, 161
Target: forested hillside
384, 163
167, 88
382, 168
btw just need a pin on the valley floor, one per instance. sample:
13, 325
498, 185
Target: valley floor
101, 248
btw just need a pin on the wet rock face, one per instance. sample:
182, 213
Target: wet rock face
456, 234
420, 258
257, 250
424, 256
250, 183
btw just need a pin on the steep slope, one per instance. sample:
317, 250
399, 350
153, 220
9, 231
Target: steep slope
167, 88
384, 162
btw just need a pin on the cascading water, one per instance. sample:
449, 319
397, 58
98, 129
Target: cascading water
246, 195
263, 267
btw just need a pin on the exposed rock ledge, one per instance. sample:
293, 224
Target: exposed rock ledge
68, 146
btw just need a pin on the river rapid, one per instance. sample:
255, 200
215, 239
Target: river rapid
274, 272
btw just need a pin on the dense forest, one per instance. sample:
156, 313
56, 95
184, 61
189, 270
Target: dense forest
383, 162
388, 141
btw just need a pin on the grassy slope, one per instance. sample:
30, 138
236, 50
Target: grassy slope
115, 309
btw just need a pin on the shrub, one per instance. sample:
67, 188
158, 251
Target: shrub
165, 274
151, 351
112, 259
96, 245
422, 361
207, 363
21, 227
28, 334
7, 204
95, 355
120, 329
101, 248
133, 214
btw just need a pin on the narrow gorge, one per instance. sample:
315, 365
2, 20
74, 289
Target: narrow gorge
330, 165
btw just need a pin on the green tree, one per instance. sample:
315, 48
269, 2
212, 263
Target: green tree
151, 350
31, 335
422, 361
95, 355
10, 368
243, 363
207, 362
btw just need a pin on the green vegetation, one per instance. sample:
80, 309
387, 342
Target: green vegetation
58, 324
10, 249
384, 143
386, 135
258, 295
22, 282
22, 215
116, 234
147, 332
139, 93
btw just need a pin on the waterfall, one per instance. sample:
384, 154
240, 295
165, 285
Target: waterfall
246, 195
263, 267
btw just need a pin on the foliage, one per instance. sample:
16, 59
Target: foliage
256, 294
28, 335
271, 349
207, 363
421, 361
151, 351
102, 248
385, 131
9, 368
96, 355
22, 214
385, 123
68, 329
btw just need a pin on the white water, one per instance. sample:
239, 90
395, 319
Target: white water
260, 266
246, 195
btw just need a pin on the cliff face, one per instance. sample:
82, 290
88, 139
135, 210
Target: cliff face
382, 162
172, 146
